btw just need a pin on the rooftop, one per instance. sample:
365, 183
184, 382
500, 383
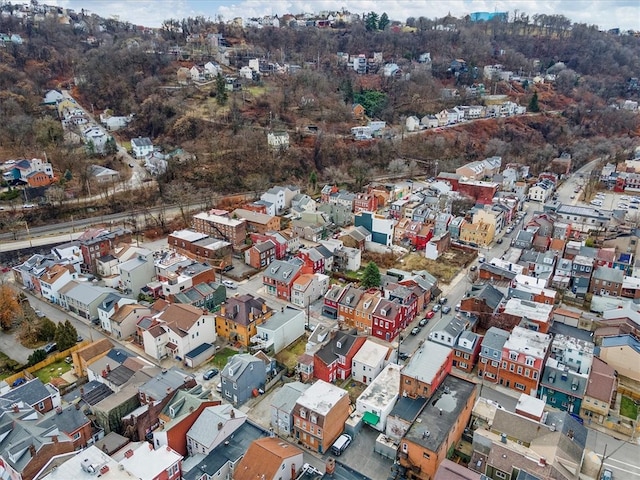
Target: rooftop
427, 361
321, 397
528, 342
384, 389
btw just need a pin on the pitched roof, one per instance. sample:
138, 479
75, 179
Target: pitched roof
239, 309
338, 346
263, 459
32, 392
181, 317
94, 349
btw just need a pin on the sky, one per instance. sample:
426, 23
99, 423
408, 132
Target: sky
151, 13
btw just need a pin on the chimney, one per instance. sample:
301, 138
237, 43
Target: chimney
54, 438
232, 413
16, 408
542, 462
219, 425
78, 406
330, 467
108, 368
32, 450
503, 438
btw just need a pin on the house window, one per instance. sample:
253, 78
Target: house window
76, 436
500, 474
41, 406
173, 470
519, 370
519, 386
303, 413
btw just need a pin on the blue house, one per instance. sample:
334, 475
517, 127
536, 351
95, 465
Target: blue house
381, 228
242, 377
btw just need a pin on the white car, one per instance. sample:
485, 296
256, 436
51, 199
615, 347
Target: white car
624, 197
597, 203
229, 284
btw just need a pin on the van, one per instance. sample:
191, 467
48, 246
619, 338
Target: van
341, 444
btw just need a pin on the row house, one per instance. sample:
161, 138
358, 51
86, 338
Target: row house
426, 370
200, 246
279, 277
405, 297
97, 242
535, 316
607, 281
466, 351
319, 416
348, 303
490, 357
284, 243
257, 222
583, 218
217, 223
532, 289
260, 255
480, 192
53, 279
480, 169
478, 234
308, 288
524, 355
482, 301
388, 320
279, 198
367, 202
381, 228
313, 259
331, 299
334, 360
364, 310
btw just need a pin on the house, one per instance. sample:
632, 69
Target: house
279, 197
239, 316
52, 97
53, 279
269, 459
109, 306
217, 223
88, 354
412, 123
257, 222
178, 416
260, 255
621, 352
334, 361
280, 330
561, 387
124, 321
141, 147
532, 315
491, 349
379, 398
387, 320
279, 277
466, 351
242, 377
80, 465
607, 281
583, 219
523, 357
183, 328
482, 301
282, 404
600, 394
426, 370
381, 228
319, 416
308, 288
136, 272
142, 461
278, 140
447, 329
370, 360
82, 298
358, 111
439, 428
39, 396
72, 423
212, 427
365, 202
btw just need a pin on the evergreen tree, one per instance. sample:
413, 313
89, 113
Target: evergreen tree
371, 276
221, 90
533, 104
66, 335
37, 356
384, 21
46, 330
371, 22
110, 147
313, 180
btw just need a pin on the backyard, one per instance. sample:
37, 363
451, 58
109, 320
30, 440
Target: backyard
222, 357
289, 356
53, 370
444, 268
628, 408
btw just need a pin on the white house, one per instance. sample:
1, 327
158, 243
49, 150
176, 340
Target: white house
369, 361
278, 140
246, 72
213, 427
141, 147
280, 330
282, 404
196, 73
96, 137
429, 121
412, 123
182, 328
109, 306
137, 272
211, 69
279, 197
52, 97
308, 288
379, 398
55, 277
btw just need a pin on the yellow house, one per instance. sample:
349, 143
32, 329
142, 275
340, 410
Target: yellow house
480, 233
239, 316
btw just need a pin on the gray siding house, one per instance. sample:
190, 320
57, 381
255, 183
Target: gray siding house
242, 375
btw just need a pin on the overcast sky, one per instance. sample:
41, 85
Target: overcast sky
604, 13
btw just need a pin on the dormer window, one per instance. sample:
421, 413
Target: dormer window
513, 355
303, 413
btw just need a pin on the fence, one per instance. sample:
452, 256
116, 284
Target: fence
28, 372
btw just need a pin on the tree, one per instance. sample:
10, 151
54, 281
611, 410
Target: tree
533, 104
46, 330
371, 22
9, 307
66, 335
371, 276
221, 90
313, 181
37, 356
384, 21
110, 147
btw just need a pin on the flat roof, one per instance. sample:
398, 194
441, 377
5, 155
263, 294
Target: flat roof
321, 397
427, 361
384, 389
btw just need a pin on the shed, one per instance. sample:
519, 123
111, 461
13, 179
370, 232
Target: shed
199, 355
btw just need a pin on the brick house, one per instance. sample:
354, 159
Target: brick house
491, 354
333, 361
607, 281
217, 223
387, 320
40, 396
260, 255
257, 222
348, 303
362, 315
319, 416
523, 358
466, 351
426, 370
367, 202
279, 277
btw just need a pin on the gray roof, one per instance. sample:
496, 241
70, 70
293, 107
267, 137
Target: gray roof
112, 442
408, 408
441, 413
31, 393
203, 431
337, 347
557, 377
609, 274
495, 338
167, 381
427, 361
237, 364
487, 292
282, 271
141, 142
68, 420
285, 398
524, 236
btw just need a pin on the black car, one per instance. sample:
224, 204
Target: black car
403, 356
228, 268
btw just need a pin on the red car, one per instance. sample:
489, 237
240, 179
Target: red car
430, 314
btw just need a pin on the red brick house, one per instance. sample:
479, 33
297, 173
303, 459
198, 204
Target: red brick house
331, 301
98, 242
312, 259
366, 202
388, 320
481, 192
278, 278
466, 351
276, 238
333, 361
260, 255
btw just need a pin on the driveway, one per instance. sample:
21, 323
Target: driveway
11, 347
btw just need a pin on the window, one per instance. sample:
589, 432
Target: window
500, 474
426, 455
41, 406
173, 470
76, 436
519, 370
519, 386
303, 413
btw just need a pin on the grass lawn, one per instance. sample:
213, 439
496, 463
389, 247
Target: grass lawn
222, 357
628, 408
289, 357
53, 370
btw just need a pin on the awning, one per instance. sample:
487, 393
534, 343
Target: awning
370, 418
435, 291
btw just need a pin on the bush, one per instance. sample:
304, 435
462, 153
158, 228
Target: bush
36, 356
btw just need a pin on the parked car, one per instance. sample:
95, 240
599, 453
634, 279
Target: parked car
458, 306
403, 356
19, 381
499, 241
79, 339
423, 321
341, 444
446, 309
509, 229
219, 387
436, 308
415, 330
473, 268
50, 347
228, 268
209, 374
229, 284
429, 315
607, 474
443, 300
39, 313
